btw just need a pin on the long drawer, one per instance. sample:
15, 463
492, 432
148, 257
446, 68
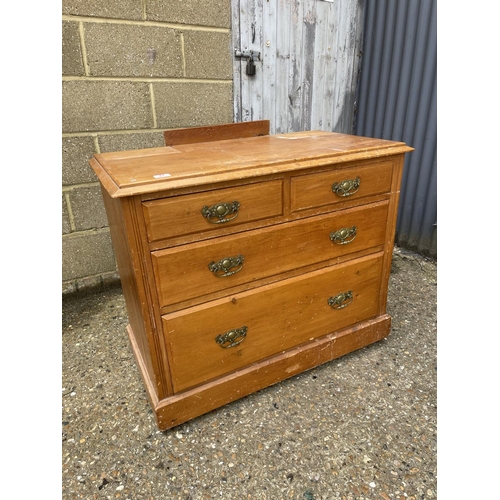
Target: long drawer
216, 338
202, 268
212, 210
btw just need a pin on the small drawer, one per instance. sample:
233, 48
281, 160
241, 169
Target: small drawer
211, 210
326, 188
206, 267
219, 337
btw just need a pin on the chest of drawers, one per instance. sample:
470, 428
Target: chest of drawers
248, 258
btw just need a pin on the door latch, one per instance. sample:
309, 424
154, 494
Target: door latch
251, 56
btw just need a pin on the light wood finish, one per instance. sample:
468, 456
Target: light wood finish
183, 273
216, 132
166, 248
278, 317
209, 396
315, 190
141, 172
175, 216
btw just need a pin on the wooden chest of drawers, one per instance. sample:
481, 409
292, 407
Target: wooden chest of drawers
247, 260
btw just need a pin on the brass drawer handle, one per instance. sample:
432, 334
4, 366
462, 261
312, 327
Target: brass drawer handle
347, 187
341, 300
227, 266
344, 236
218, 214
232, 337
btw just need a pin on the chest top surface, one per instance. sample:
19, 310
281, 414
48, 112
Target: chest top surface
142, 171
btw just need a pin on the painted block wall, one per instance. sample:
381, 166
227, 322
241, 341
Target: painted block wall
131, 69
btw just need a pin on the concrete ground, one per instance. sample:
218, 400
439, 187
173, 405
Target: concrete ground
360, 427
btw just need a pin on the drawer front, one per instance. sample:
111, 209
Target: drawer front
326, 188
211, 210
198, 269
269, 320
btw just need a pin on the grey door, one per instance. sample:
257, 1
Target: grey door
307, 71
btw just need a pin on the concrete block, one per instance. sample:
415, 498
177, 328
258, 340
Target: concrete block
72, 61
66, 225
110, 279
76, 151
131, 50
124, 142
105, 105
217, 14
88, 283
96, 283
208, 55
124, 9
186, 104
87, 254
91, 284
69, 287
87, 208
